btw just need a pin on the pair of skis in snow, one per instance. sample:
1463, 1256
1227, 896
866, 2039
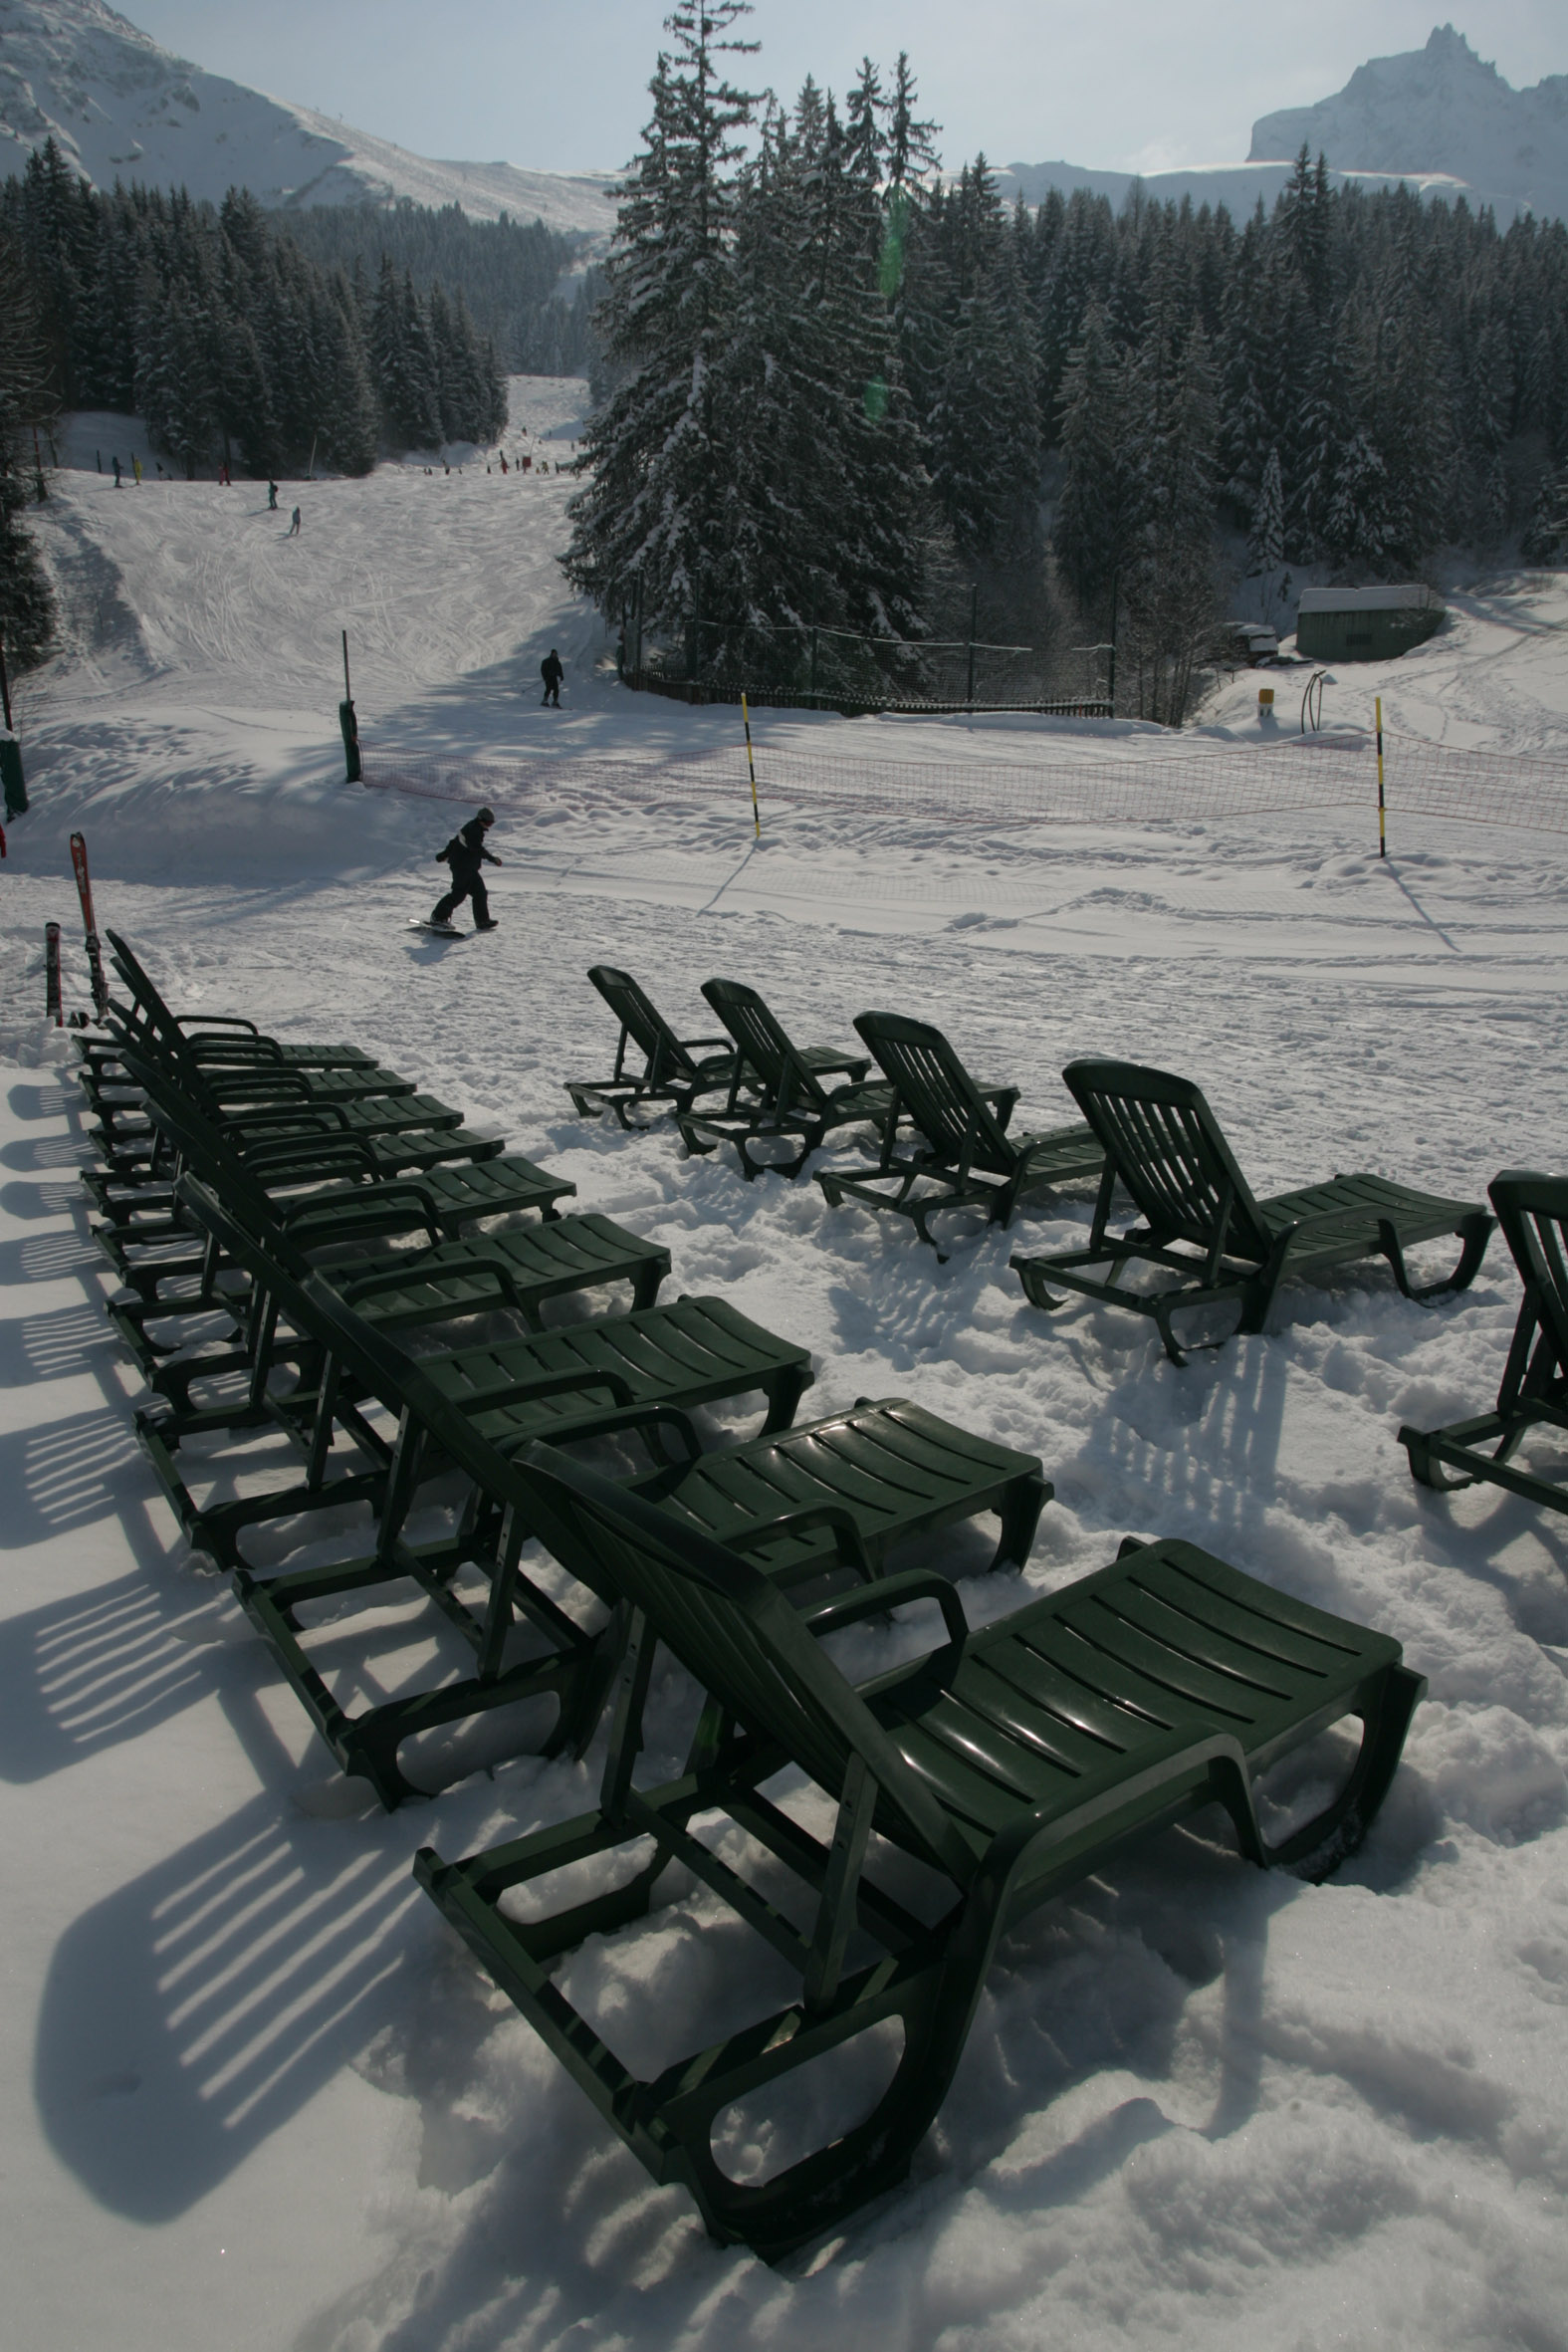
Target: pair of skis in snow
54, 1006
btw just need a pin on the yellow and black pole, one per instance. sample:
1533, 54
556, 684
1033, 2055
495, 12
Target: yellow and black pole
1383, 836
746, 722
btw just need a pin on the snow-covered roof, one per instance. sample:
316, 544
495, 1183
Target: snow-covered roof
1412, 593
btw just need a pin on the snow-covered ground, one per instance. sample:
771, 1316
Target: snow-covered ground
255, 2092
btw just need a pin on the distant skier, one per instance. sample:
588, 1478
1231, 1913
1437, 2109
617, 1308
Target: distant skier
293, 531
272, 497
465, 854
118, 484
136, 467
551, 671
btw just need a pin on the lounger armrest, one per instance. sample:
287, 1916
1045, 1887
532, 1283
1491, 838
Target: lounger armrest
240, 1080
851, 1545
295, 1159
380, 1285
201, 1020
388, 1194
1003, 1102
518, 1392
892, 1592
724, 1045
274, 1112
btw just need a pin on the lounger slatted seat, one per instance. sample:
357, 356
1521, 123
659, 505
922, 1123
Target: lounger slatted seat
1533, 1211
1010, 1762
961, 1154
843, 1491
802, 1502
1201, 1223
790, 1102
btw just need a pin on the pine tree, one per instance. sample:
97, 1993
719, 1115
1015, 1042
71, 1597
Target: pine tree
1096, 513
1265, 542
27, 609
654, 508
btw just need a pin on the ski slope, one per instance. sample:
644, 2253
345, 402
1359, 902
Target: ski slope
254, 2091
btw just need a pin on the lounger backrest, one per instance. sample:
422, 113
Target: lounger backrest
201, 1145
936, 1092
643, 1022
738, 1636
1165, 1145
1534, 1212
150, 1018
763, 1042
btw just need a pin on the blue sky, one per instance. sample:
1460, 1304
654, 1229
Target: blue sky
561, 85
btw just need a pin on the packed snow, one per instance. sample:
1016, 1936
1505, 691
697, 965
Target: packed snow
255, 2091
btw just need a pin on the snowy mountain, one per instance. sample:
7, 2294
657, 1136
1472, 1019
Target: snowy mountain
1236, 185
1441, 109
121, 107
1436, 118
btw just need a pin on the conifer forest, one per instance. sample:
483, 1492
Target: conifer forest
846, 395
218, 330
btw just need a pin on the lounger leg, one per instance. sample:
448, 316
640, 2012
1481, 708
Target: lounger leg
783, 1393
1318, 1849
1022, 1506
1476, 1232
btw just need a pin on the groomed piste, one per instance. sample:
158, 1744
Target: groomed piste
251, 2067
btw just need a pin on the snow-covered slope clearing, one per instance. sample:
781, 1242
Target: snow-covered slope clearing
123, 108
252, 2088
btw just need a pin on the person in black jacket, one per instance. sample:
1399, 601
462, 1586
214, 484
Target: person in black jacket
550, 670
465, 854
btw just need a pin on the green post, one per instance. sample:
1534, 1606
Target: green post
350, 724
10, 750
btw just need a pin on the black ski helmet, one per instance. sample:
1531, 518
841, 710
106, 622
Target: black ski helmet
486, 817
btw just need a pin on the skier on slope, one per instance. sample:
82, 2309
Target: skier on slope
465, 854
272, 497
550, 670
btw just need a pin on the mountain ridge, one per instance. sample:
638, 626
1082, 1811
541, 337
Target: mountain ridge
120, 107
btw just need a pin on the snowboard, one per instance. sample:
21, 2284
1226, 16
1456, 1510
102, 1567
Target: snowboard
441, 930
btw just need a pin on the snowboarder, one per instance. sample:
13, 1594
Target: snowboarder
465, 854
551, 671
272, 497
293, 531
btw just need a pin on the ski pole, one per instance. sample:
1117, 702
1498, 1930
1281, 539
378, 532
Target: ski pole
746, 721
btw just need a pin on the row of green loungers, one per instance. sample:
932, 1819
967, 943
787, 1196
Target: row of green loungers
346, 1348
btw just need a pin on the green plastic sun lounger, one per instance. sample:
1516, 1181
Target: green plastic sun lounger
960, 1155
1009, 1762
804, 1504
697, 1351
1200, 1223
210, 1035
1532, 1210
675, 1070
791, 1103
337, 1188
396, 1288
